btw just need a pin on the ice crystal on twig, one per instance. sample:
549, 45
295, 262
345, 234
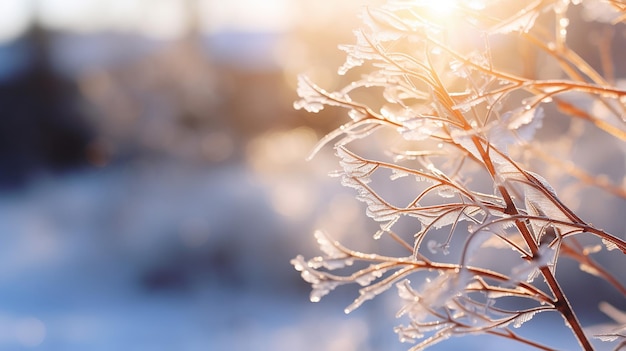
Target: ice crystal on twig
464, 124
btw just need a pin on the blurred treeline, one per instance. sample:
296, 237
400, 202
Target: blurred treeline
92, 99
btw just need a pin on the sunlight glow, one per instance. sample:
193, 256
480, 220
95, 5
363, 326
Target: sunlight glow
445, 9
157, 18
165, 19
247, 15
441, 7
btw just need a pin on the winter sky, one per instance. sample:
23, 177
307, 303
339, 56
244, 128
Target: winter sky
158, 18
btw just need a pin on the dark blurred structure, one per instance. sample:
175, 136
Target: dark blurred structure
43, 128
74, 99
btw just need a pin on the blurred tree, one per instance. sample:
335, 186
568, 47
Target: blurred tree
42, 127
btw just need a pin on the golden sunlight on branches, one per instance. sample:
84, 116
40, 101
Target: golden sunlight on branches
483, 156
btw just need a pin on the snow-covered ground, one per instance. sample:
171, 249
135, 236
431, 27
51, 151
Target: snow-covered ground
164, 256
156, 257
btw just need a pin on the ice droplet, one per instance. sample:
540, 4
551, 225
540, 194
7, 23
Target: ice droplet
433, 246
446, 192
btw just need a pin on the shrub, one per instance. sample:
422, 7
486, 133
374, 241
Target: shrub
479, 107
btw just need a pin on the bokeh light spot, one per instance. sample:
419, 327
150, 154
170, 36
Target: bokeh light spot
292, 199
30, 332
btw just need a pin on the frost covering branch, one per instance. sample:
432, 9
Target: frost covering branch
465, 125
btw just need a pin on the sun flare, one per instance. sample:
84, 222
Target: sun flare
445, 9
441, 7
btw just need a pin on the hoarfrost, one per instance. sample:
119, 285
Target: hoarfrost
354, 166
434, 247
523, 318
465, 140
357, 53
327, 245
374, 290
418, 129
525, 117
396, 174
446, 191
519, 125
539, 196
610, 246
606, 338
313, 98
322, 283
368, 278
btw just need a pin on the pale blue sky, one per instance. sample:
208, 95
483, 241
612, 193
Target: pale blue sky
159, 18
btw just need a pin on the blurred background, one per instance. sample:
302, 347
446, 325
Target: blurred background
153, 183
153, 186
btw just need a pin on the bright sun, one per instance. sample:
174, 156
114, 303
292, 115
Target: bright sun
441, 7
446, 8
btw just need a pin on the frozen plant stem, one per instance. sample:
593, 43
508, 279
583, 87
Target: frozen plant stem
457, 121
561, 303
563, 306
